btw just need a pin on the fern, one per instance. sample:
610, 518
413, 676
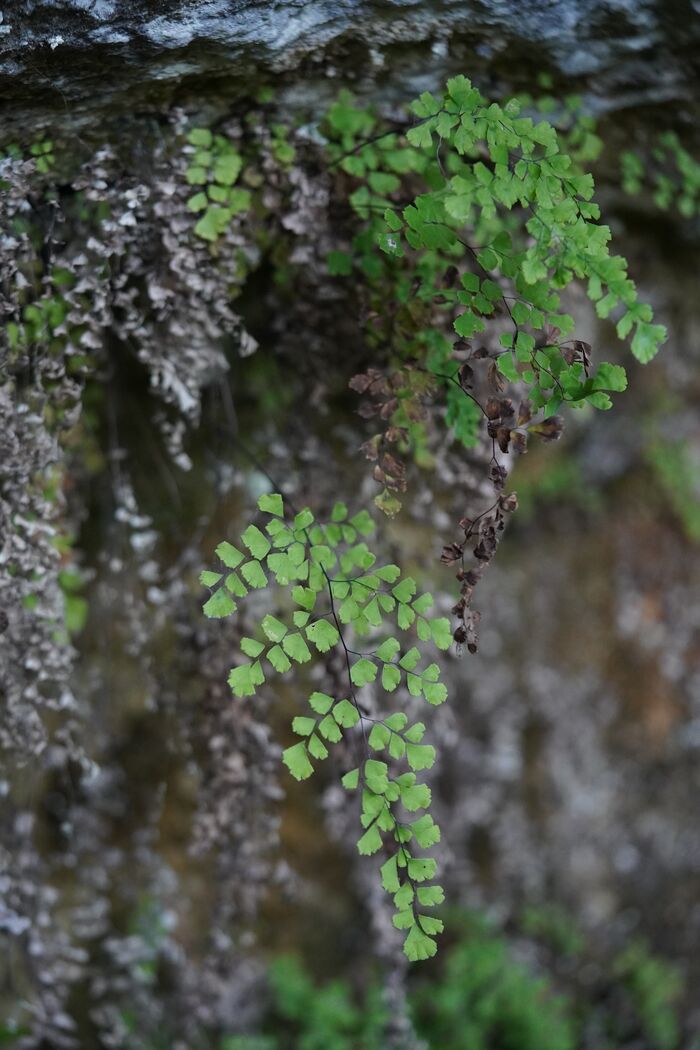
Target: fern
473, 221
339, 593
214, 168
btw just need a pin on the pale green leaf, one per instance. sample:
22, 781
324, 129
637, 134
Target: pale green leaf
418, 945
323, 634
244, 679
251, 647
404, 591
303, 726
274, 629
220, 604
370, 842
297, 762
391, 677
363, 671
230, 555
351, 780
256, 542
330, 729
279, 659
271, 503
321, 703
442, 632
209, 579
430, 895
317, 748
388, 649
390, 876
346, 714
252, 572
295, 647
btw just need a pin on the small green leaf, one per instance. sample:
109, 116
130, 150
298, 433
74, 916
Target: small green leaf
426, 831
297, 762
435, 693
244, 679
281, 566
391, 677
274, 629
351, 780
390, 875
209, 579
609, 377
376, 775
303, 519
418, 945
346, 714
197, 202
329, 728
420, 869
397, 746
442, 632
323, 634
363, 671
363, 523
279, 659
388, 573
321, 703
404, 591
256, 542
409, 660
303, 726
430, 895
379, 737
235, 585
403, 898
230, 555
196, 176
404, 920
317, 748
271, 503
423, 603
220, 604
252, 572
251, 647
416, 733
295, 647
370, 842
304, 596
227, 169
212, 223
414, 683
200, 137
388, 649
416, 797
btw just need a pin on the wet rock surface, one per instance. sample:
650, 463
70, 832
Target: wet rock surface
73, 57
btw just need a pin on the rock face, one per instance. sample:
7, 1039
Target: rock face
69, 58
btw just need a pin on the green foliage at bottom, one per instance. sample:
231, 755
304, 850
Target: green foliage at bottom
482, 998
485, 1000
677, 470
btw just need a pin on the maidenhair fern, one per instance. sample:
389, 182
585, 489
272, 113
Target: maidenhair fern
669, 171
467, 226
214, 168
339, 598
473, 221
